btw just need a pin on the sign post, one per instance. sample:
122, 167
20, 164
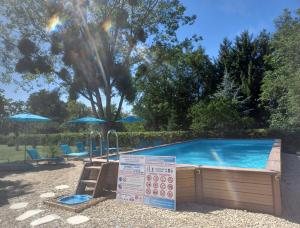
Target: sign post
150, 180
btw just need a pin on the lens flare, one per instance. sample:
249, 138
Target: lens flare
227, 183
143, 52
106, 25
53, 22
215, 155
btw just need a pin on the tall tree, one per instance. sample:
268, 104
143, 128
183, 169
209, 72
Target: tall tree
93, 44
282, 82
243, 64
178, 76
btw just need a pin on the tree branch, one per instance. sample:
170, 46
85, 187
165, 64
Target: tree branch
119, 107
99, 103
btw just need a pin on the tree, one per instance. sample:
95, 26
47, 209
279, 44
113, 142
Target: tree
243, 64
3, 105
280, 89
179, 75
77, 109
93, 45
47, 103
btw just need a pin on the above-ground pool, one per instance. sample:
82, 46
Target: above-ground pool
228, 153
230, 173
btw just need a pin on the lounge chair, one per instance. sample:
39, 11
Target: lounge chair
80, 146
35, 156
67, 151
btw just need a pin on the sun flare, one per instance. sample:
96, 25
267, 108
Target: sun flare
53, 22
106, 25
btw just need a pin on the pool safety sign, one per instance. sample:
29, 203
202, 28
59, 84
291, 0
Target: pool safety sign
148, 179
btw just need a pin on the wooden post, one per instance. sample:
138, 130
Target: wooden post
198, 185
276, 194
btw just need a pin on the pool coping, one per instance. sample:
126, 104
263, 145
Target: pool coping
273, 164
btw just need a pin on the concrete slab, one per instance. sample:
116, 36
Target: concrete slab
78, 219
47, 195
17, 206
61, 187
45, 219
28, 214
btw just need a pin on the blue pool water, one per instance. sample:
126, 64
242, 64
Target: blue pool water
229, 153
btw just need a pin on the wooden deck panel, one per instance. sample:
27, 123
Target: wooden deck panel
261, 189
230, 176
238, 196
185, 185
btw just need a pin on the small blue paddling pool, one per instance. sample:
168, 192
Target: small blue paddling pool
74, 199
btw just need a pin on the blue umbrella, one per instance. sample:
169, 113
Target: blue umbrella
87, 120
131, 119
28, 117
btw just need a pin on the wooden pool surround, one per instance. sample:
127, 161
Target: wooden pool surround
242, 188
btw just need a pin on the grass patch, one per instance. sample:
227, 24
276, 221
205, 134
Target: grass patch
9, 153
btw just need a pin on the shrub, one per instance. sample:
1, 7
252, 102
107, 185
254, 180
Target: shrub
218, 114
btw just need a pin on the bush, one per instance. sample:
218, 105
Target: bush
290, 139
126, 139
218, 114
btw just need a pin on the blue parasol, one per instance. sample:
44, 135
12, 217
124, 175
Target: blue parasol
26, 118
131, 119
87, 120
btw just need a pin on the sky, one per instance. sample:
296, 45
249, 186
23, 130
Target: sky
216, 19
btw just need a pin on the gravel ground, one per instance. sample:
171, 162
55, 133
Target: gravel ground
27, 187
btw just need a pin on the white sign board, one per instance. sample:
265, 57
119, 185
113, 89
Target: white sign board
147, 179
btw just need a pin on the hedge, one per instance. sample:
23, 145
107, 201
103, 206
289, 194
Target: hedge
291, 140
126, 139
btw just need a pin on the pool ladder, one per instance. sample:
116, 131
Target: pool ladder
92, 180
117, 144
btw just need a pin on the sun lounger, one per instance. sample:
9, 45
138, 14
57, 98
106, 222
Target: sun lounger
67, 151
80, 146
35, 156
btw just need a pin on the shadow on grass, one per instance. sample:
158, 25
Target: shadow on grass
10, 189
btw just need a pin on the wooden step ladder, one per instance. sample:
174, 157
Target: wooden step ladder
92, 179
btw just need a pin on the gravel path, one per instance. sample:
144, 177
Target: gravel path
28, 186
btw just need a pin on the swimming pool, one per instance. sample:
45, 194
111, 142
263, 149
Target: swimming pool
218, 152
242, 174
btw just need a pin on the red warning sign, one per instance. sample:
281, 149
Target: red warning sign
163, 179
170, 187
148, 191
149, 177
170, 179
170, 194
155, 178
162, 185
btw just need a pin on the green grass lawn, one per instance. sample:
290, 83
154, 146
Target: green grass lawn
9, 153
